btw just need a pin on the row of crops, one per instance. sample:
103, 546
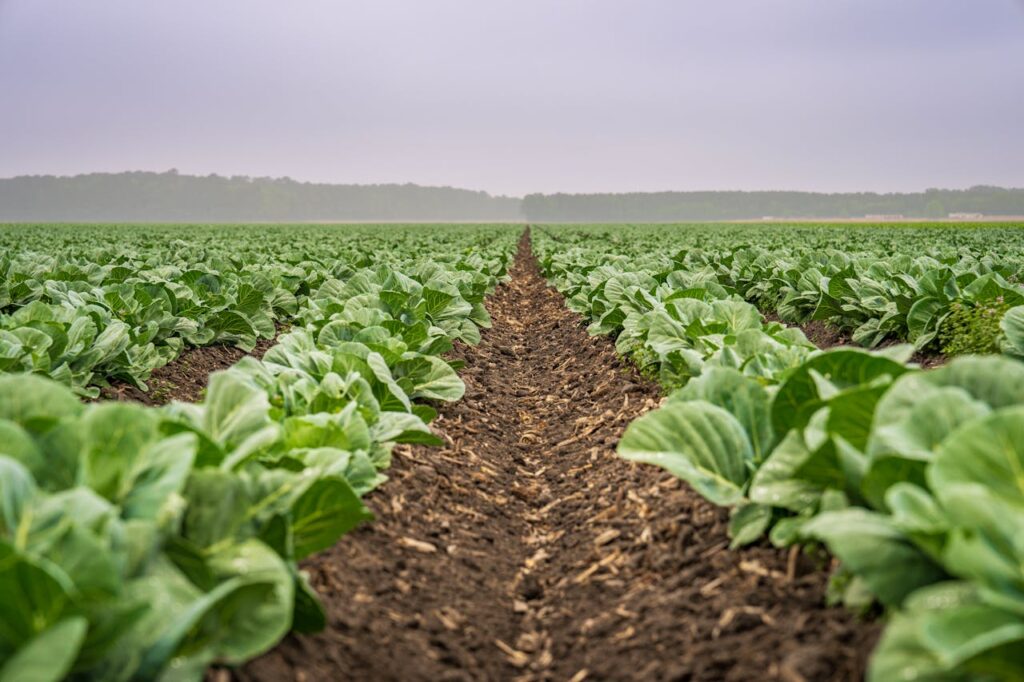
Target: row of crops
89, 305
942, 288
913, 479
146, 543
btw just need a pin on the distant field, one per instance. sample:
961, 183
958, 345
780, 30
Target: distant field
1007, 220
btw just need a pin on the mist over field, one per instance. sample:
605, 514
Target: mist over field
174, 197
520, 97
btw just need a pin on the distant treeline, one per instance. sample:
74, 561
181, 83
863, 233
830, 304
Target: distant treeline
172, 197
694, 206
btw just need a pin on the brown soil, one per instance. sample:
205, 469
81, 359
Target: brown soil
825, 336
929, 360
821, 334
185, 377
525, 549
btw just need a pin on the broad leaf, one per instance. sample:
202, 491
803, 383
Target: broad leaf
49, 655
871, 547
699, 442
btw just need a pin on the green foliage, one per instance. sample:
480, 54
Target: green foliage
1012, 326
85, 304
912, 479
140, 543
700, 443
973, 328
875, 283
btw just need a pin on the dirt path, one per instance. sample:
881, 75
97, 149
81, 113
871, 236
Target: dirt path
526, 550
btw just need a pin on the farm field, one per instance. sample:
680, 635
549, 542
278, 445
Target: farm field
721, 451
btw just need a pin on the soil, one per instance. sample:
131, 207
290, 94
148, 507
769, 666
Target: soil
525, 549
929, 360
185, 377
825, 336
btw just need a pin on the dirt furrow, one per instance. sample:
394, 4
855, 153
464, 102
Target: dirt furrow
185, 378
525, 549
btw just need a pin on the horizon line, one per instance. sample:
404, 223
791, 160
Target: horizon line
289, 179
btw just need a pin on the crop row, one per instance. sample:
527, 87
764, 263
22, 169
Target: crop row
85, 305
144, 543
913, 479
940, 288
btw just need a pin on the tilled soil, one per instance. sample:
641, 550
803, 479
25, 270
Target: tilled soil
525, 549
184, 378
825, 336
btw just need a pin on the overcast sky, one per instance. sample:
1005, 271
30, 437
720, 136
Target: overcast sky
518, 96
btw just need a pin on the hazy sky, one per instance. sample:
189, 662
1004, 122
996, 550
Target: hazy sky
516, 96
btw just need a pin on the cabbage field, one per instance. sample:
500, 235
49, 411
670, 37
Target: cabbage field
430, 454
144, 543
913, 480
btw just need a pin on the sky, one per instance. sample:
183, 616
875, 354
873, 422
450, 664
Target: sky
520, 96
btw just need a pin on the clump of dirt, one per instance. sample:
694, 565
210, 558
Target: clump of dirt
820, 333
929, 359
184, 378
824, 335
525, 549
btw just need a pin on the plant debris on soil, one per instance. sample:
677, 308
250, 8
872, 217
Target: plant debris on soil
184, 378
525, 549
825, 336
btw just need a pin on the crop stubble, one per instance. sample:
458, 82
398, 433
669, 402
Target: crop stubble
525, 549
